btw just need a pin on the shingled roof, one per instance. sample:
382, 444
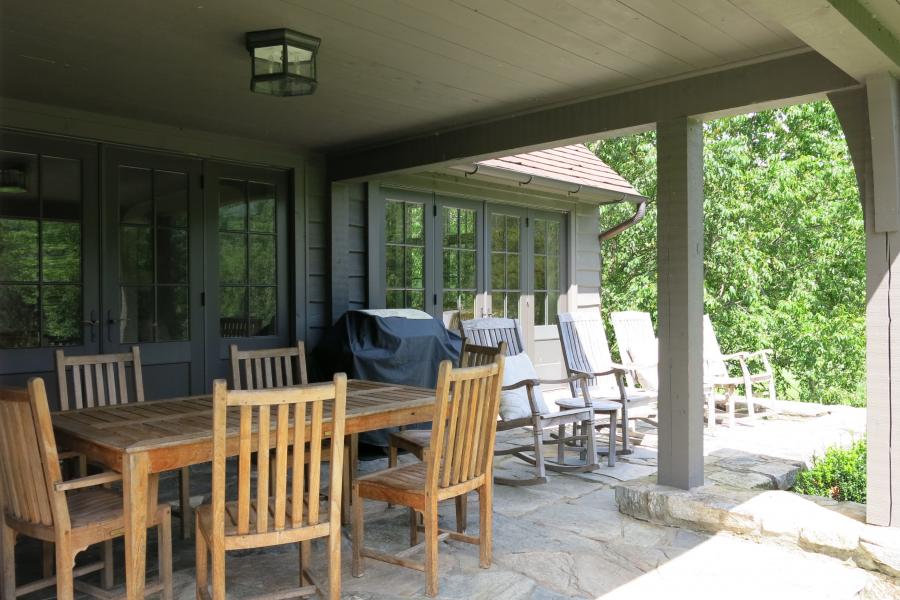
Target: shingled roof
573, 164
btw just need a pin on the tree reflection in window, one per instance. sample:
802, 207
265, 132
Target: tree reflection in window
459, 260
247, 259
506, 251
40, 254
405, 237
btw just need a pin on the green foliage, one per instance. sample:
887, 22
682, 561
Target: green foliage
784, 245
839, 474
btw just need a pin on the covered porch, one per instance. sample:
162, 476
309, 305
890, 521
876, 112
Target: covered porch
134, 103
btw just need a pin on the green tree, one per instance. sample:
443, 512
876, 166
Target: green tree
784, 245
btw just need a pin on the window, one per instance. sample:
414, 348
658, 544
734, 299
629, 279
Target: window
405, 254
40, 253
153, 256
247, 259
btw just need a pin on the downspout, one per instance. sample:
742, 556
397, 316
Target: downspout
636, 218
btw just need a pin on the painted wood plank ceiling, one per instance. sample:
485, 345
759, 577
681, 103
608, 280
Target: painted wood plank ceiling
387, 68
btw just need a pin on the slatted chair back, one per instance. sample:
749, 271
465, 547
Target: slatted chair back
476, 356
491, 331
585, 348
29, 467
638, 346
99, 379
290, 502
712, 352
465, 424
268, 368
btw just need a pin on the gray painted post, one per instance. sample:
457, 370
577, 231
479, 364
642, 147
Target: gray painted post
680, 291
882, 328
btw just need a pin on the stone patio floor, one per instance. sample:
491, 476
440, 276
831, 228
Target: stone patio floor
567, 539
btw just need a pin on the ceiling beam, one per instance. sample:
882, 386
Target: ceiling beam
740, 89
859, 37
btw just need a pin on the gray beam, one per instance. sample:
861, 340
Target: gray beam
680, 301
739, 89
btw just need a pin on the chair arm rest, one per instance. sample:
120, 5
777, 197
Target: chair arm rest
735, 356
89, 481
524, 383
569, 379
762, 352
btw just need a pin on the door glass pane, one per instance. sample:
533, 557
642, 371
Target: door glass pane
405, 254
19, 317
459, 260
61, 252
137, 310
40, 249
20, 201
18, 250
505, 256
172, 314
61, 315
248, 259
154, 250
61, 188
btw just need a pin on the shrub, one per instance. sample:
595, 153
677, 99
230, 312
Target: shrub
839, 474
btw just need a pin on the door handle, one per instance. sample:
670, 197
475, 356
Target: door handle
93, 323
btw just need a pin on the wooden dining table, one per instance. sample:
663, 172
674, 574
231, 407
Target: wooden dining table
142, 440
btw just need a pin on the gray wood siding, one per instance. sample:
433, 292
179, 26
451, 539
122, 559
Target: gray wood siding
357, 246
587, 256
318, 257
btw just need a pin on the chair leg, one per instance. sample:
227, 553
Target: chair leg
486, 523
413, 527
305, 554
358, 567
109, 567
431, 549
217, 559
82, 465
538, 449
731, 405
201, 561
184, 486
561, 442
611, 459
47, 558
164, 549
462, 510
392, 461
65, 578
334, 558
7, 561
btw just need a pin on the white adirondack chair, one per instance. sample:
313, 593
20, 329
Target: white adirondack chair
639, 351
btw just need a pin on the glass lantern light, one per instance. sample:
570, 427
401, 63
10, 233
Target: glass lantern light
283, 62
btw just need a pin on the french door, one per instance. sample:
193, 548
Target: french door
153, 266
247, 262
49, 263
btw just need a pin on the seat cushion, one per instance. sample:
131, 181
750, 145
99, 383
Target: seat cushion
514, 403
598, 404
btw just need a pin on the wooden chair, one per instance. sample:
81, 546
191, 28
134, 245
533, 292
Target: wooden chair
268, 368
586, 352
102, 380
72, 515
717, 375
489, 332
291, 512
459, 460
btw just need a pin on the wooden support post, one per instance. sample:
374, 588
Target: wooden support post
883, 298
680, 291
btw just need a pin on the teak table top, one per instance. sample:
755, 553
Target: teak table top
154, 427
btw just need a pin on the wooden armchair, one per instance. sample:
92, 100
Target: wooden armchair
102, 380
586, 352
458, 460
72, 514
291, 511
